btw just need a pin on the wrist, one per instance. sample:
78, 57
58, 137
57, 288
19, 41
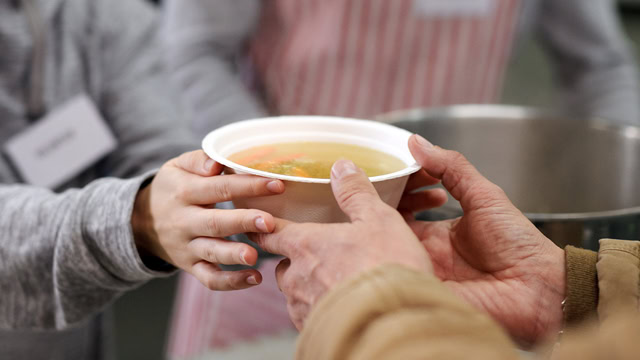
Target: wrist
557, 288
144, 234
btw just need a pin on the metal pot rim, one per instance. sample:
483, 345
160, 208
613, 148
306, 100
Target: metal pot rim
583, 216
521, 113
512, 112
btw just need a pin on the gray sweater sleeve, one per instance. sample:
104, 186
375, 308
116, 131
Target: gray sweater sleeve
65, 256
594, 67
204, 40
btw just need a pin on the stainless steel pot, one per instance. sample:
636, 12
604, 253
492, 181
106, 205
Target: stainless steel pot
577, 180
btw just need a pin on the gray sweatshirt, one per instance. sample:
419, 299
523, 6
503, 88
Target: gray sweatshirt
66, 255
594, 70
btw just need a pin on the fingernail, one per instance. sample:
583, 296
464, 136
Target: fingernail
244, 259
423, 142
208, 165
275, 186
343, 168
251, 280
261, 225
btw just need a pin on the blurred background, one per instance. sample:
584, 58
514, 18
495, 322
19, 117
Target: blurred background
142, 316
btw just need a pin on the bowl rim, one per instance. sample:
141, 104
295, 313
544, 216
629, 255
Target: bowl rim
215, 155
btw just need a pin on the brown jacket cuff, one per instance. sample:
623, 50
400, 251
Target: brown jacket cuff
582, 285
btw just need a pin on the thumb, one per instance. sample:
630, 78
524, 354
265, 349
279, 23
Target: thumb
198, 163
461, 179
352, 189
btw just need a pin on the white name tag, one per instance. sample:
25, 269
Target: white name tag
62, 144
454, 8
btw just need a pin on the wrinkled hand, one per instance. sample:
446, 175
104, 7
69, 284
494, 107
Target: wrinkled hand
174, 218
322, 255
492, 256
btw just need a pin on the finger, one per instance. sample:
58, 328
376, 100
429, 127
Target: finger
458, 176
352, 189
298, 312
199, 163
215, 279
423, 200
282, 241
211, 190
221, 251
420, 179
281, 268
223, 222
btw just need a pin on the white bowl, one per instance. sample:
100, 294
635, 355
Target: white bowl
309, 199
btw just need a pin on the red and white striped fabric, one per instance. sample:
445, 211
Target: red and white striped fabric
356, 58
360, 58
204, 320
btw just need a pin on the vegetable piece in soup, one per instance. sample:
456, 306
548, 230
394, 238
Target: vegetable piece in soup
314, 159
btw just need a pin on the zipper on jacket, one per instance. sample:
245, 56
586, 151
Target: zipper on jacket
35, 94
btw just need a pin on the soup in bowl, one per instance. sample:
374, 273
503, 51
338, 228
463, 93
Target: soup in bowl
312, 159
300, 151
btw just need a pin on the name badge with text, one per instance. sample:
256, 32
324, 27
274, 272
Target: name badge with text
62, 144
454, 8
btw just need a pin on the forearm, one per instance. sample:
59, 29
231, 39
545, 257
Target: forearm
203, 41
136, 98
65, 256
606, 93
213, 93
593, 64
393, 312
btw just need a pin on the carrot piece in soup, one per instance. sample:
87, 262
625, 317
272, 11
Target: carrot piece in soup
299, 172
264, 165
259, 154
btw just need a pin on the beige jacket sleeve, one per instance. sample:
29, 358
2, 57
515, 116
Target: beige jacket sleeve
601, 285
395, 313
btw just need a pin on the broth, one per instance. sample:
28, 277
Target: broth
314, 159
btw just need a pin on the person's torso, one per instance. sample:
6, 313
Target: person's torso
89, 341
68, 73
365, 57
69, 68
